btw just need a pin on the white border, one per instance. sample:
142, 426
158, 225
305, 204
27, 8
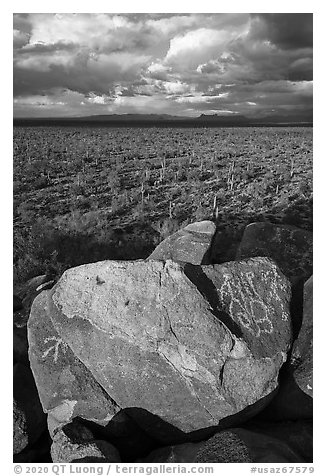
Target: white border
277, 6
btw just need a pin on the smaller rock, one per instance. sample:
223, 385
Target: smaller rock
19, 428
294, 437
190, 244
44, 286
39, 452
75, 443
31, 285
283, 443
26, 293
290, 247
223, 447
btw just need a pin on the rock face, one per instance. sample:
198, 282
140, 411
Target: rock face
187, 345
191, 244
29, 419
75, 443
290, 247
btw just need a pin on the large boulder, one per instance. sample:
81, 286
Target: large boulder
180, 347
75, 443
190, 244
29, 421
290, 247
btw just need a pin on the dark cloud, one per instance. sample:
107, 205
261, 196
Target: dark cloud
286, 30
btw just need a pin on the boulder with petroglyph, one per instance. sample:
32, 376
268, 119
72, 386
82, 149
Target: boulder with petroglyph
187, 345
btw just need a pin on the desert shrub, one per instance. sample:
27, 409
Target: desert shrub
166, 227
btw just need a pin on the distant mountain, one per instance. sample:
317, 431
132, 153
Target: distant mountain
165, 120
130, 117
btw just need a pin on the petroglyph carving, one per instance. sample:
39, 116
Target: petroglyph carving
246, 304
55, 347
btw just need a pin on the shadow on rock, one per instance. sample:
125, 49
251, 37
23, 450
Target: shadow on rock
136, 432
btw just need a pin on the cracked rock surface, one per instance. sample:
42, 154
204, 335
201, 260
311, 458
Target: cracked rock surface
187, 345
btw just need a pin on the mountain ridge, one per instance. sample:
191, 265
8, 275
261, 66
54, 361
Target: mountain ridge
166, 120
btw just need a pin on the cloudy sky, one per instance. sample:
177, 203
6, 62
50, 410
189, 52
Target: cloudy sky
180, 64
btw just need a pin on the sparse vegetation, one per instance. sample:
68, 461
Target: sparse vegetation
85, 194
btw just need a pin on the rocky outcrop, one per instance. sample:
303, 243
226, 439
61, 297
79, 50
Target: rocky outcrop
288, 246
131, 357
188, 345
190, 244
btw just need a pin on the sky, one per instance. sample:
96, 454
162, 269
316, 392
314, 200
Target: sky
188, 64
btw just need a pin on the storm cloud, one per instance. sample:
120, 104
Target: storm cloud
182, 64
